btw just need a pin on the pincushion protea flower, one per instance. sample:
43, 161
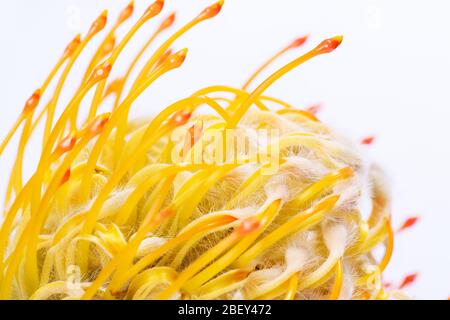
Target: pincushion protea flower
119, 209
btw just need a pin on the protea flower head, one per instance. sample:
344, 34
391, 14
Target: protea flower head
256, 199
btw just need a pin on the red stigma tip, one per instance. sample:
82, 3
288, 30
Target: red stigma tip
153, 10
98, 24
168, 22
65, 177
32, 101
72, 46
67, 143
314, 109
408, 280
211, 11
408, 223
96, 125
368, 140
101, 72
329, 45
126, 13
180, 118
249, 225
298, 42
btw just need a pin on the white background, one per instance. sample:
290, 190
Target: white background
389, 78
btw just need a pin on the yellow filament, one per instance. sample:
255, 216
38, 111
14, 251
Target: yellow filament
265, 217
338, 274
267, 83
223, 284
292, 289
390, 246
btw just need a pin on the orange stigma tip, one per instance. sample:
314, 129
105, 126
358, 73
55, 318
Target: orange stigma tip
164, 57
195, 131
175, 60
96, 125
65, 177
98, 24
408, 280
346, 172
248, 226
211, 11
67, 143
72, 46
109, 46
32, 101
101, 72
168, 22
408, 223
298, 42
314, 109
368, 140
126, 13
193, 135
329, 45
180, 118
164, 214
154, 9
114, 86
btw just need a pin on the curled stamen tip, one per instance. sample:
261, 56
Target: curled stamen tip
299, 42
168, 22
72, 46
211, 11
67, 143
126, 13
180, 118
96, 125
101, 71
99, 23
32, 101
249, 225
329, 45
154, 9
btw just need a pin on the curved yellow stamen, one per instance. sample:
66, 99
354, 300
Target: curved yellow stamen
337, 286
